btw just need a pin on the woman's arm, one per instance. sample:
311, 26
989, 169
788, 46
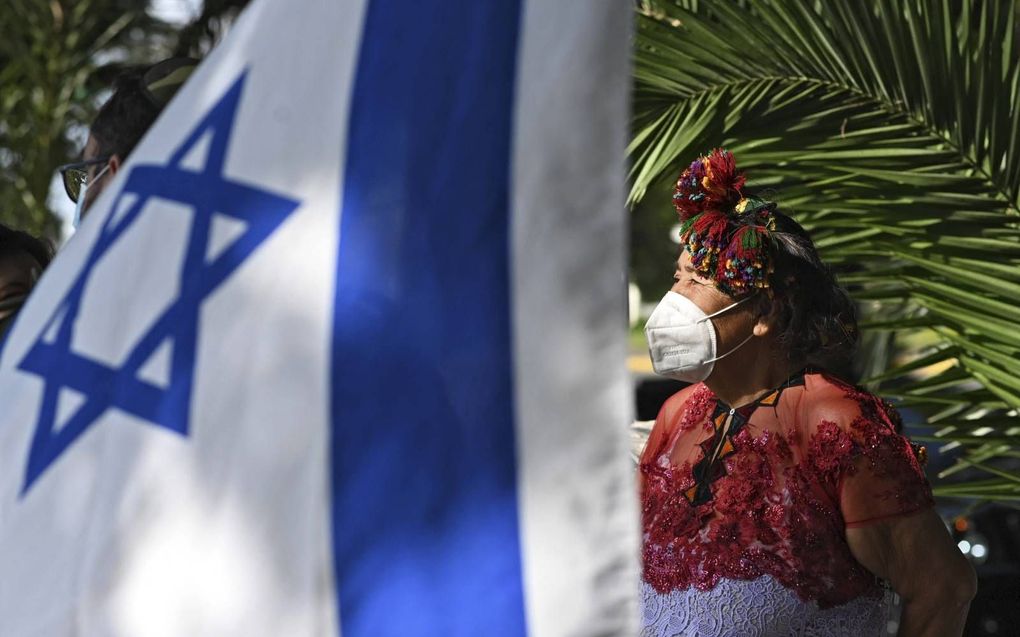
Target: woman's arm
917, 556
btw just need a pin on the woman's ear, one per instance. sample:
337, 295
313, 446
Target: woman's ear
114, 164
763, 324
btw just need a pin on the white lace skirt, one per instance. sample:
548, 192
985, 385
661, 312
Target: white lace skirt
758, 608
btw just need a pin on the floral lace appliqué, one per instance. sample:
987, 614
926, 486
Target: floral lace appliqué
782, 507
696, 409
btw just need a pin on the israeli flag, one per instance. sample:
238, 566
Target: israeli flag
341, 349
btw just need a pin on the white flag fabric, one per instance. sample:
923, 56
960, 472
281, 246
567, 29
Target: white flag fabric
340, 350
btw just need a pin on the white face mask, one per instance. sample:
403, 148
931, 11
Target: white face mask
682, 340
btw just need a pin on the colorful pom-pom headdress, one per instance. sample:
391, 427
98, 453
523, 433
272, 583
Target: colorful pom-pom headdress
727, 233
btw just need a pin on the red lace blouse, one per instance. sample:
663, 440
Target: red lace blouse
768, 489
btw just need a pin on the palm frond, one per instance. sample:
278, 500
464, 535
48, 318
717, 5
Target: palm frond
890, 131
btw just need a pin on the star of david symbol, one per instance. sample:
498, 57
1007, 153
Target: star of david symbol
208, 192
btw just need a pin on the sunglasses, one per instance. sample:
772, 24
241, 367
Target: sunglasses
76, 175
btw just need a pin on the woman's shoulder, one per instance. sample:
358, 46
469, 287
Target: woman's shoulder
675, 413
695, 396
688, 396
830, 398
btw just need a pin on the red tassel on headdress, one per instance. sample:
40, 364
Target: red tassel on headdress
711, 182
723, 181
713, 227
746, 262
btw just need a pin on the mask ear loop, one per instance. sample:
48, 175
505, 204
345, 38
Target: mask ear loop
729, 307
749, 337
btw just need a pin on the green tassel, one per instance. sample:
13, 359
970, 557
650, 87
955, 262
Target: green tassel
750, 240
685, 226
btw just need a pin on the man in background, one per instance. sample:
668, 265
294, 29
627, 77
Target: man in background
138, 98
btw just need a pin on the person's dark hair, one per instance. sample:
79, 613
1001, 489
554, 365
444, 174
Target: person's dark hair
139, 96
125, 117
12, 241
815, 318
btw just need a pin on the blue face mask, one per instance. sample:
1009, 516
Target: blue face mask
79, 206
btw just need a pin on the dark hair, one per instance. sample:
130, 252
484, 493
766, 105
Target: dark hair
12, 241
815, 318
139, 96
125, 117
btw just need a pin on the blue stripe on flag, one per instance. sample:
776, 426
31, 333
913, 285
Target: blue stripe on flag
425, 520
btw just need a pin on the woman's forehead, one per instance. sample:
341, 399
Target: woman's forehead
683, 260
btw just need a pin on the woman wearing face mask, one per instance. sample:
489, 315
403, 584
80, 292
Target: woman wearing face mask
777, 498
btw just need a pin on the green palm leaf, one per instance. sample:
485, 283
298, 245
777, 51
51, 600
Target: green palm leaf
890, 131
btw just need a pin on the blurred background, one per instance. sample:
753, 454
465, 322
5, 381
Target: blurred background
888, 128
